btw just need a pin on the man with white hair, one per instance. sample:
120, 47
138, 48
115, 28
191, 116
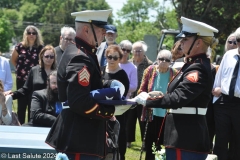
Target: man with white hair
67, 36
80, 129
226, 90
141, 61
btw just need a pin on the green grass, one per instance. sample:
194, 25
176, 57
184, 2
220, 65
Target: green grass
132, 153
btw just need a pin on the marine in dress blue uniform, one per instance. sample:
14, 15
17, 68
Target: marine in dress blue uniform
186, 134
80, 130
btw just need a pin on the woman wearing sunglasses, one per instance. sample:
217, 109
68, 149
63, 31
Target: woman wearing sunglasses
156, 78
24, 57
128, 67
37, 77
113, 71
231, 43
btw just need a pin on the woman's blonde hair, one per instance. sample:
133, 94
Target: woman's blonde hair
41, 54
211, 42
38, 40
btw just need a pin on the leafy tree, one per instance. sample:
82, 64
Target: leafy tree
137, 11
136, 33
137, 21
222, 14
6, 34
57, 13
99, 5
10, 4
167, 20
29, 12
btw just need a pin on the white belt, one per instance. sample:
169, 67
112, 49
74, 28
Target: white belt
65, 107
189, 110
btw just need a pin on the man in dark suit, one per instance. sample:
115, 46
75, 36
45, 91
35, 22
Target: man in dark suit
45, 105
67, 35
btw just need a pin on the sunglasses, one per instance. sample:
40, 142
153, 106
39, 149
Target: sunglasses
32, 33
126, 50
112, 57
163, 59
233, 42
238, 40
49, 56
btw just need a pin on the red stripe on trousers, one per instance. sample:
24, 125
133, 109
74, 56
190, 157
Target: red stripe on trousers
77, 156
178, 154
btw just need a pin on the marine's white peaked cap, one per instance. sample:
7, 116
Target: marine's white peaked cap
97, 17
191, 27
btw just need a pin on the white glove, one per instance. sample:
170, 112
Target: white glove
141, 98
118, 84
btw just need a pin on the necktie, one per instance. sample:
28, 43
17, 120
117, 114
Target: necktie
234, 79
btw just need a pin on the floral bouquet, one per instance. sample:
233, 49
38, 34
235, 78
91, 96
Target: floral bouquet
159, 155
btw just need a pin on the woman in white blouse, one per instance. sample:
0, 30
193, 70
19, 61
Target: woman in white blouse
5, 107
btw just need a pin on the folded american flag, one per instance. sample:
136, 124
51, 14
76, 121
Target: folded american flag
110, 96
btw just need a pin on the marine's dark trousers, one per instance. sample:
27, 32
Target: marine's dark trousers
227, 120
22, 104
122, 139
210, 123
177, 154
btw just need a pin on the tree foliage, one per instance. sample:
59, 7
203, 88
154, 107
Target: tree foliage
138, 21
47, 15
136, 11
10, 4
135, 19
6, 34
222, 14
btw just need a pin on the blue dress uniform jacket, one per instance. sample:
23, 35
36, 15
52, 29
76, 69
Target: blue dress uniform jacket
82, 127
191, 88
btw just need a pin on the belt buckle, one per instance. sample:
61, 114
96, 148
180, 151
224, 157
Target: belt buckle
168, 110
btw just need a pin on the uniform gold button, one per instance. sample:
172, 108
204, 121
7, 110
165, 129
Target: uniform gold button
106, 113
99, 112
111, 114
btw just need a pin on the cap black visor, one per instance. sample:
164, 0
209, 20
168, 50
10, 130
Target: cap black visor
99, 24
186, 34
